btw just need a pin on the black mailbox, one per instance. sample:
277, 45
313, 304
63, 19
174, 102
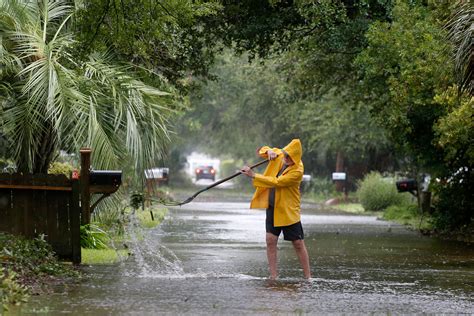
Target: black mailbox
106, 177
407, 185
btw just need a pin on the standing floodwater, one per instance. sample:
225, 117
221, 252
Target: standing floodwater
212, 260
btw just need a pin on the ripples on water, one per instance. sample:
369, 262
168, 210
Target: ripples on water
209, 258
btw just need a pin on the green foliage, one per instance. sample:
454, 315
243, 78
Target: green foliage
354, 208
146, 221
419, 103
321, 188
258, 27
376, 193
460, 35
61, 168
455, 130
233, 101
93, 237
322, 53
26, 261
11, 292
336, 123
404, 213
408, 214
112, 219
137, 199
401, 76
168, 39
234, 115
6, 165
454, 201
53, 99
304, 92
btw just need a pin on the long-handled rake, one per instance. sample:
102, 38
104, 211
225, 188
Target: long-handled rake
189, 199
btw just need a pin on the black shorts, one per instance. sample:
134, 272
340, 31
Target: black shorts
291, 232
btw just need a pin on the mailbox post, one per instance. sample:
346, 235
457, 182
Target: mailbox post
103, 182
411, 186
423, 196
85, 185
341, 177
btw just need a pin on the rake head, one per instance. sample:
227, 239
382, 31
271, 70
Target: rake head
173, 203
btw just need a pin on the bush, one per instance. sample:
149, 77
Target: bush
61, 168
92, 237
11, 292
454, 202
376, 193
30, 256
24, 264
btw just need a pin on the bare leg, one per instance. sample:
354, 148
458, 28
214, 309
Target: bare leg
302, 254
272, 241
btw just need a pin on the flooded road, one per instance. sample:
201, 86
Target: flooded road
209, 258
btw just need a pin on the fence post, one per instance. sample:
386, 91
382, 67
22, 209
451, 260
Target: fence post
75, 213
85, 186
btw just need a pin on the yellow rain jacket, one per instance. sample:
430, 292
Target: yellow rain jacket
287, 185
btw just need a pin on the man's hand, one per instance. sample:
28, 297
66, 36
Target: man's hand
247, 171
271, 154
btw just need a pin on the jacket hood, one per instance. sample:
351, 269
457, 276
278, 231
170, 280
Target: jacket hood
294, 150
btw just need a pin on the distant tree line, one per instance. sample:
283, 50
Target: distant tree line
383, 85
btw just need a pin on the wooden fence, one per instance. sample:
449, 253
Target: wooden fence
32, 205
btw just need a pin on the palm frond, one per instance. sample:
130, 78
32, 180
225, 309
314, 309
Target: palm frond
461, 34
138, 110
73, 103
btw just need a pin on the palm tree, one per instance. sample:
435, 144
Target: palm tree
461, 34
51, 100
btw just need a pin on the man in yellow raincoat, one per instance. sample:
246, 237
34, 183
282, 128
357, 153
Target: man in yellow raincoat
278, 191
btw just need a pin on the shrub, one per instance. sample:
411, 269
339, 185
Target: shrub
61, 168
30, 256
454, 201
92, 237
11, 292
376, 193
24, 264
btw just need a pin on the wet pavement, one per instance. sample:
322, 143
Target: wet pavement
209, 258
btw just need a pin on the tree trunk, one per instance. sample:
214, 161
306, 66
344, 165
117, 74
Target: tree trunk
46, 150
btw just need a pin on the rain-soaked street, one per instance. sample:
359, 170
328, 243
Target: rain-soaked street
209, 258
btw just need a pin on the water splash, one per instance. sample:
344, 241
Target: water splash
148, 255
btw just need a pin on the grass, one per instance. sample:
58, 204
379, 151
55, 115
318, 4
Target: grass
146, 220
354, 208
102, 256
408, 215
